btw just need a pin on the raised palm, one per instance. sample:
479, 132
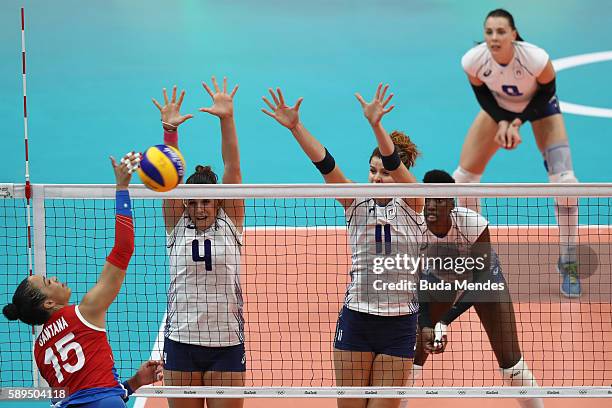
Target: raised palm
223, 103
287, 116
375, 110
170, 112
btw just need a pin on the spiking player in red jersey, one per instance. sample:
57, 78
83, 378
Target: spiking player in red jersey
72, 350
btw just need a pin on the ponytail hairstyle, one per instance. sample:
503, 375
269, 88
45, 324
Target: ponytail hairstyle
27, 305
505, 14
407, 150
202, 175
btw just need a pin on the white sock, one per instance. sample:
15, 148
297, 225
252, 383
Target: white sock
521, 376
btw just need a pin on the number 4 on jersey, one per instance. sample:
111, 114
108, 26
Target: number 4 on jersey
195, 253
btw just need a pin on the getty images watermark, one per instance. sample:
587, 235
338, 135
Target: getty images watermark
452, 273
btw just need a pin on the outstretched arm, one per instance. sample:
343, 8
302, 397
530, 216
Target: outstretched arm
223, 108
316, 152
171, 120
96, 302
374, 112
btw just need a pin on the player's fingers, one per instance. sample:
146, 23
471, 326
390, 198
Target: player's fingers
184, 118
377, 95
268, 103
165, 95
509, 138
224, 84
511, 141
499, 138
387, 100
274, 98
297, 104
281, 98
156, 104
207, 89
215, 84
388, 109
384, 92
181, 97
234, 91
173, 100
362, 102
268, 113
113, 161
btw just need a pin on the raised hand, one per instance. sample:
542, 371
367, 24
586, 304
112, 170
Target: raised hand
170, 112
285, 115
375, 110
123, 170
223, 103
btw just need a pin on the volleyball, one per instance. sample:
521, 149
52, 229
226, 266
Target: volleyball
161, 168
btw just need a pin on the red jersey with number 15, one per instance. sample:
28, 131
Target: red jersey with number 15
73, 353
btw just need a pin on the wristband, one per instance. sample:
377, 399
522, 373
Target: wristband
127, 387
123, 203
391, 162
327, 165
170, 138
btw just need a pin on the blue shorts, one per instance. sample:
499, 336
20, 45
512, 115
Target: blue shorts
108, 402
189, 357
390, 335
551, 108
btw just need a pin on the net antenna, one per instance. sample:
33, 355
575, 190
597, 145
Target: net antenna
37, 379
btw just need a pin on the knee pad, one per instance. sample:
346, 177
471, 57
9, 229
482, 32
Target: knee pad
463, 176
558, 164
519, 375
565, 177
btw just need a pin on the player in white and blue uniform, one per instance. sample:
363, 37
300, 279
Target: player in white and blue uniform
204, 333
462, 236
514, 82
376, 330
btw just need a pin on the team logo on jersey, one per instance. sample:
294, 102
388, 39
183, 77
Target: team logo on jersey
487, 72
390, 213
518, 73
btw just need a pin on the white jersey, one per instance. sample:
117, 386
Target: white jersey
204, 298
378, 234
512, 85
466, 228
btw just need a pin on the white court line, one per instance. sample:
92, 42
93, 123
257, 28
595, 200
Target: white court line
576, 61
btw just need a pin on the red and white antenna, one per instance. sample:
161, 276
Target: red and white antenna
28, 189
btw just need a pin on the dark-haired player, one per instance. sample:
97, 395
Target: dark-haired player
464, 233
72, 350
514, 83
204, 334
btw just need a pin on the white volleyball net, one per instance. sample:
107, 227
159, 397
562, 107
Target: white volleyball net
294, 268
